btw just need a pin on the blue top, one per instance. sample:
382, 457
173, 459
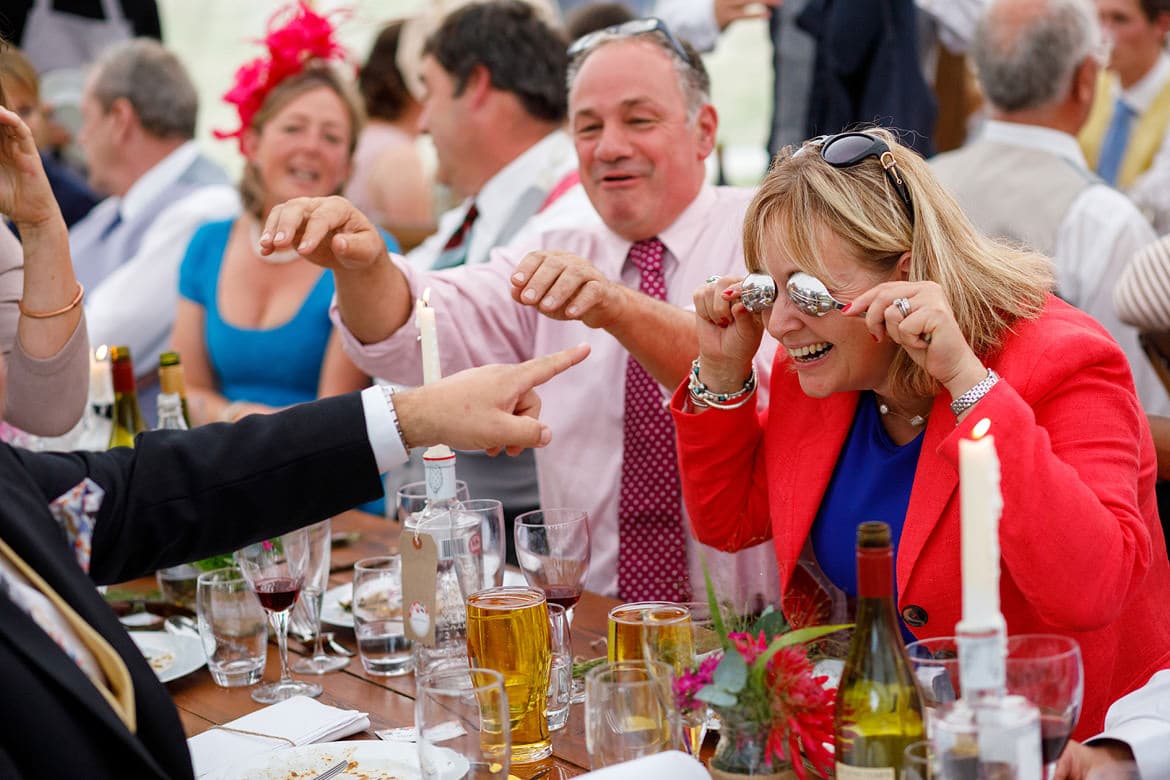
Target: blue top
872, 481
278, 366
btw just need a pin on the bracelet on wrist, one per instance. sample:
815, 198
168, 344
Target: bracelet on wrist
702, 397
44, 315
388, 394
968, 399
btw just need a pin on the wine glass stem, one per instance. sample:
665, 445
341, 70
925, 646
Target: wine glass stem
280, 625
312, 605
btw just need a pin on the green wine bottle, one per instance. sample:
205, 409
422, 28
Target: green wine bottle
127, 415
172, 380
879, 706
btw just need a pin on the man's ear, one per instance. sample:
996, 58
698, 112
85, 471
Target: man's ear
124, 117
478, 86
706, 126
1084, 83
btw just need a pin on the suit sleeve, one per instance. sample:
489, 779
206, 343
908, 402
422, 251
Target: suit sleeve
184, 495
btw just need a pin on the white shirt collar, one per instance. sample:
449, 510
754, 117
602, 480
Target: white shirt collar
541, 165
1142, 94
146, 190
1035, 137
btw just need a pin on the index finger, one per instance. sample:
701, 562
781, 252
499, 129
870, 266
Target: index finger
527, 267
539, 370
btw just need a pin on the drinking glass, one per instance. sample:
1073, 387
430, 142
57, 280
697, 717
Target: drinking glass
306, 615
412, 497
668, 635
231, 627
377, 616
493, 543
552, 548
629, 712
275, 569
918, 762
177, 584
461, 715
1043, 668
560, 682
508, 630
626, 621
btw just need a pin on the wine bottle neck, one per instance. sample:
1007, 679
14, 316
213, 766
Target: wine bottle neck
440, 479
123, 372
875, 573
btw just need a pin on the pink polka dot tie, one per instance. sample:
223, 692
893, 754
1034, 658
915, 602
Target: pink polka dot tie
652, 551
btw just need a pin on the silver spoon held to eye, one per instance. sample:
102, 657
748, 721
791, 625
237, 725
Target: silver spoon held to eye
758, 292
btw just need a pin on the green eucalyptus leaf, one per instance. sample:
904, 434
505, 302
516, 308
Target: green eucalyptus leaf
771, 622
715, 697
731, 673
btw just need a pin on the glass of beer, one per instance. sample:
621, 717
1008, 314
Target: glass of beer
672, 624
508, 631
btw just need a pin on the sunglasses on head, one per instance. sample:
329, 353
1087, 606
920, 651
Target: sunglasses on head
629, 29
845, 150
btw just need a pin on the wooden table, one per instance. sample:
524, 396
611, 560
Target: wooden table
389, 700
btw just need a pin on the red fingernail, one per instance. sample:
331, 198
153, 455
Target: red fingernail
875, 338
724, 322
848, 306
729, 293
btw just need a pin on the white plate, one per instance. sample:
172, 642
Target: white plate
169, 655
331, 611
374, 760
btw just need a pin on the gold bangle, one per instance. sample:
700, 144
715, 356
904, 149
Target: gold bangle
44, 315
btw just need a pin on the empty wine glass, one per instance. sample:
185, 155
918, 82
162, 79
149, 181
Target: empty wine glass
552, 548
412, 497
275, 570
307, 612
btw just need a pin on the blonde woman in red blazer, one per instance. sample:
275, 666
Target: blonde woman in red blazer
928, 313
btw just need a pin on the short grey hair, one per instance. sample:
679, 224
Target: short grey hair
154, 82
692, 77
1030, 65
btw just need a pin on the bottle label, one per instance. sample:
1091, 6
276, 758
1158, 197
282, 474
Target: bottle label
846, 772
440, 477
420, 575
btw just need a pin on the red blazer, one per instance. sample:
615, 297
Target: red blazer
1082, 551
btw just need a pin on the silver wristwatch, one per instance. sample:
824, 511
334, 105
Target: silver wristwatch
968, 399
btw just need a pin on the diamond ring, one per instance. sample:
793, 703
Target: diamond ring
903, 305
713, 278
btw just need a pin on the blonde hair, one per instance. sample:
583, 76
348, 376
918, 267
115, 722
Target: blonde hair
315, 74
988, 284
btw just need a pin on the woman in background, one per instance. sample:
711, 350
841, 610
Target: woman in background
390, 184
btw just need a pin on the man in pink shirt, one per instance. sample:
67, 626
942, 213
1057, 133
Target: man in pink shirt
643, 126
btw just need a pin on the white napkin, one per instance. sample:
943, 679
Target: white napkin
673, 764
301, 719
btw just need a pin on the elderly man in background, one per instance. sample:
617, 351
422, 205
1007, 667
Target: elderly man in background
643, 125
1025, 178
138, 118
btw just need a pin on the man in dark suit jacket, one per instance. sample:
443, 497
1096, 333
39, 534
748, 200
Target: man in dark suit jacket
183, 495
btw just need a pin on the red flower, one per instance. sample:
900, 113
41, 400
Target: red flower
305, 36
802, 712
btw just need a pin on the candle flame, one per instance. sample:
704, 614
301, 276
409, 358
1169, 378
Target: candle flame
981, 428
101, 353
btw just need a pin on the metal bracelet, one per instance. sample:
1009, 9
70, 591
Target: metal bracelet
701, 396
968, 399
388, 394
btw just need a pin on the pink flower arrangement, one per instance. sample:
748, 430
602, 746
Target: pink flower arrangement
303, 37
762, 682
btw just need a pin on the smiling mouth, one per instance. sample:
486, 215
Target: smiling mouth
300, 174
809, 352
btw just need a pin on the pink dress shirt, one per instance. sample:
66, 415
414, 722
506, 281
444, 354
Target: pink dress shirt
478, 323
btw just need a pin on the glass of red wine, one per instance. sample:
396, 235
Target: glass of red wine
276, 569
1046, 670
552, 547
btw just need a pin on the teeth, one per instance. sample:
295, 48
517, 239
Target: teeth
809, 350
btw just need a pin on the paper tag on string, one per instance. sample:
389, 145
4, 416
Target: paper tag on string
420, 575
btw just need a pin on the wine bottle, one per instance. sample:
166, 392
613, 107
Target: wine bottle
172, 380
879, 706
170, 412
127, 415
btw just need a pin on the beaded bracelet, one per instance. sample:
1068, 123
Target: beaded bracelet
44, 315
388, 394
701, 396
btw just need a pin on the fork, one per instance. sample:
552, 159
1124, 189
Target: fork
336, 646
332, 771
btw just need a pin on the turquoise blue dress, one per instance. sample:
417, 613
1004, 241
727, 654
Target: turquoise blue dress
277, 366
